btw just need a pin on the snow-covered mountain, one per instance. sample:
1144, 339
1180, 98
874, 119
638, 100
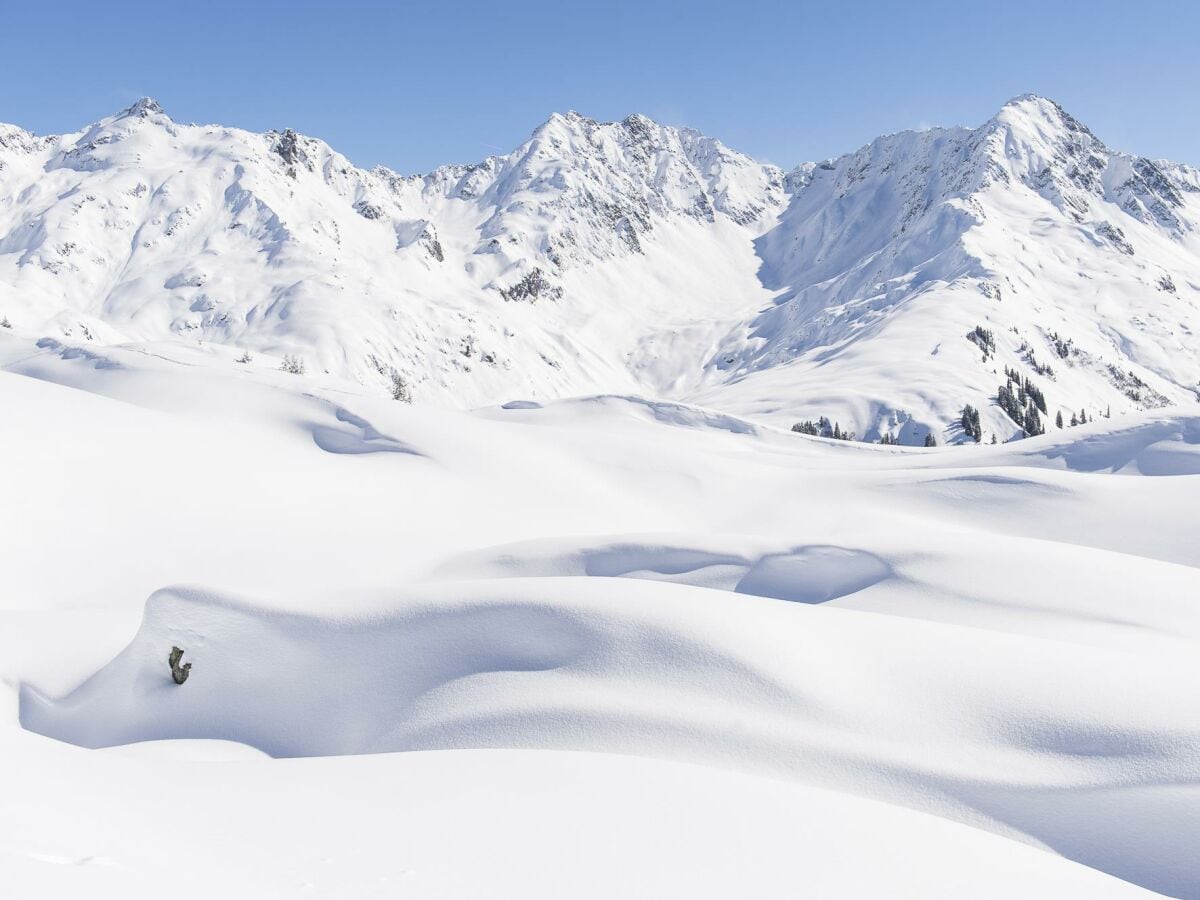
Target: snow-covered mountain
634, 257
640, 621
1079, 265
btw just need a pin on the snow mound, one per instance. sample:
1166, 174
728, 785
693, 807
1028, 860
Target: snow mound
1157, 446
1003, 636
810, 574
359, 437
461, 825
961, 724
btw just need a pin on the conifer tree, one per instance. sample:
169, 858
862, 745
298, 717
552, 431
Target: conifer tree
1033, 422
971, 424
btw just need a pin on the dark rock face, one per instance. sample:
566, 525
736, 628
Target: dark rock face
368, 210
429, 240
147, 106
291, 150
1115, 236
178, 673
288, 147
532, 287
1150, 196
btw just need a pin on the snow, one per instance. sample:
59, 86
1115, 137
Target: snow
587, 618
665, 265
540, 824
626, 646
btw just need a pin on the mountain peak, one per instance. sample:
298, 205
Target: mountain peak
570, 117
144, 108
1028, 99
638, 119
1041, 112
574, 119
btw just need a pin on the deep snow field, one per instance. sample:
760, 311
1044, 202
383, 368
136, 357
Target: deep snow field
645, 649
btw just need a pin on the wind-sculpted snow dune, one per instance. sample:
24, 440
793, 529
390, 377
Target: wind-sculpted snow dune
1004, 637
1167, 446
814, 574
1028, 737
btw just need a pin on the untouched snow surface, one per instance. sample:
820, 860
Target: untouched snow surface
785, 665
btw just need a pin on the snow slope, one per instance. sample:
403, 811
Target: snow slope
1081, 261
496, 824
633, 258
467, 281
784, 663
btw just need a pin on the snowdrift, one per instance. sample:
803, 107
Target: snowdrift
1026, 737
462, 824
1157, 445
1003, 638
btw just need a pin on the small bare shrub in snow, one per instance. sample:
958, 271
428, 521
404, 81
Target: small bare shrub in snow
178, 673
293, 365
245, 357
4, 323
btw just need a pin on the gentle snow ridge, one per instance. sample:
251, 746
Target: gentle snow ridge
976, 633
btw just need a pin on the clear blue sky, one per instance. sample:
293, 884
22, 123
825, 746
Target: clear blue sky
414, 85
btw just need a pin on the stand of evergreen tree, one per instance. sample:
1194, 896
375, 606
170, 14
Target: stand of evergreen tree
823, 428
970, 423
983, 339
1022, 401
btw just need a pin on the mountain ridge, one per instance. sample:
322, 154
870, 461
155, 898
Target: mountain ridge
634, 257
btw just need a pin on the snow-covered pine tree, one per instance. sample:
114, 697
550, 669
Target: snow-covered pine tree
1033, 422
971, 423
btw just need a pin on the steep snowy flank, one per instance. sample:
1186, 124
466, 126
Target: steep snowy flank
1022, 268
916, 271
141, 228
